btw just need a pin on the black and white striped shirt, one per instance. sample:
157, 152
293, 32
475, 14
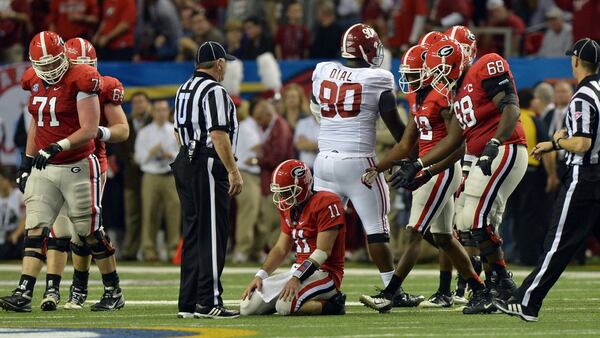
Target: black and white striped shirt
201, 106
583, 118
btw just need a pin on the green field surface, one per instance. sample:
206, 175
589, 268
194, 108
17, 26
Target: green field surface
572, 309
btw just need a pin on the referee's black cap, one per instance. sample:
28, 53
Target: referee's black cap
586, 49
211, 51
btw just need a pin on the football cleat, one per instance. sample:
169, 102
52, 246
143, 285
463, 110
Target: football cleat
403, 299
480, 303
19, 301
382, 302
77, 298
437, 300
51, 299
504, 288
513, 307
460, 300
112, 299
335, 305
215, 312
185, 315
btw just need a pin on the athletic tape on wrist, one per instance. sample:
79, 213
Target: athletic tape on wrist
262, 274
105, 134
65, 144
319, 256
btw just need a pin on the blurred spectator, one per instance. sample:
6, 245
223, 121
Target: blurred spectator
14, 26
447, 13
543, 99
73, 18
114, 39
500, 16
540, 10
257, 39
248, 201
292, 40
328, 33
348, 12
186, 14
138, 118
559, 35
409, 22
277, 146
554, 119
214, 11
585, 16
306, 138
38, 16
155, 148
202, 31
527, 204
242, 9
163, 20
2, 138
12, 219
294, 104
234, 33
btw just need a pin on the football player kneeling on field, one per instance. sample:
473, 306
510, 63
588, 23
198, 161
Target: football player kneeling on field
314, 223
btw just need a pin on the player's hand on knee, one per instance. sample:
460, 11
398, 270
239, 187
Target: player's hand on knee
487, 156
24, 171
405, 174
255, 284
422, 177
369, 177
45, 155
290, 290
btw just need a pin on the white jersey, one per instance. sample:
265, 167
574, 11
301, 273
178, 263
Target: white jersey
349, 102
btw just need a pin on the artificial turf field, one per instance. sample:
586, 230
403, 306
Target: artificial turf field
572, 309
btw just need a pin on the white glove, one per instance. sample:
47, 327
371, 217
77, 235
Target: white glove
369, 177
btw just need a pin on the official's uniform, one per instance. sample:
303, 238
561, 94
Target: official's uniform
322, 211
72, 176
202, 105
577, 208
485, 196
349, 101
433, 203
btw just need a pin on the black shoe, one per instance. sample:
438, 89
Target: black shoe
382, 302
19, 301
504, 288
437, 300
51, 299
335, 305
513, 307
403, 299
215, 312
112, 299
77, 297
481, 302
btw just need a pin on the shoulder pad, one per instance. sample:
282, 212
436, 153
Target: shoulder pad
86, 78
112, 90
26, 78
491, 65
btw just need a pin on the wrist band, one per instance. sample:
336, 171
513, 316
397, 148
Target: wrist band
420, 162
65, 144
105, 133
496, 141
262, 274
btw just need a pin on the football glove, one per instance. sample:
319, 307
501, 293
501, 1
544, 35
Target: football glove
407, 171
45, 155
487, 156
422, 177
24, 171
369, 177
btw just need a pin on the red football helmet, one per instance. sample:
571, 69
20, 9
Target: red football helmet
444, 63
412, 72
81, 51
362, 42
465, 38
291, 184
47, 56
431, 38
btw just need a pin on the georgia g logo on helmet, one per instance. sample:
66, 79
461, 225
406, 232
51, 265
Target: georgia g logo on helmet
471, 36
298, 172
445, 51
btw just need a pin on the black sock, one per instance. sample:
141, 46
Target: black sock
474, 284
461, 285
80, 279
445, 280
393, 286
111, 279
27, 282
500, 270
53, 281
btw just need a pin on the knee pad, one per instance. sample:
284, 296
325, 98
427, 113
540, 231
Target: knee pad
378, 238
442, 240
36, 242
466, 239
80, 250
428, 236
59, 244
283, 308
99, 245
488, 233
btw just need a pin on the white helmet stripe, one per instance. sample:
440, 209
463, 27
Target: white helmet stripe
82, 43
453, 33
43, 42
346, 36
406, 55
276, 171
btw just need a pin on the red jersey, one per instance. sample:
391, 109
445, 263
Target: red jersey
55, 108
477, 114
113, 13
111, 93
429, 120
322, 211
60, 16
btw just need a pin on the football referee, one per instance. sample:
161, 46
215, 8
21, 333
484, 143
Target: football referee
577, 208
206, 177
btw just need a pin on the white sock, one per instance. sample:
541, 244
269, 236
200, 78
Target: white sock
386, 277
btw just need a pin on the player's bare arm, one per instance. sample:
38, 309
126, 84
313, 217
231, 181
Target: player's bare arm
389, 114
118, 128
402, 149
446, 146
27, 158
88, 112
274, 259
455, 156
325, 241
